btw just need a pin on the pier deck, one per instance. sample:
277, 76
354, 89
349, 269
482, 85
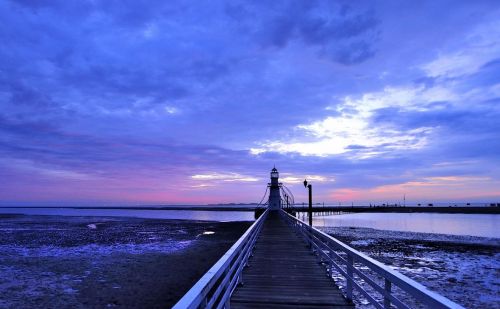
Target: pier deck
284, 274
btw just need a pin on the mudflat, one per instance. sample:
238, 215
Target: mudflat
106, 262
464, 269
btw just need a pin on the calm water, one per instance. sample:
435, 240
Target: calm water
205, 215
454, 224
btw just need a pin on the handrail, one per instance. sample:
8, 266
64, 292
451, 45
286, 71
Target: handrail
345, 259
214, 289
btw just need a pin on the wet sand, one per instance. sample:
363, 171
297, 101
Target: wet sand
98, 262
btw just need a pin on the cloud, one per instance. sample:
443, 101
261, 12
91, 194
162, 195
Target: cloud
288, 178
353, 127
453, 98
231, 177
479, 47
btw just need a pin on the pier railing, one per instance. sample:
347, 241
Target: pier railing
373, 280
214, 289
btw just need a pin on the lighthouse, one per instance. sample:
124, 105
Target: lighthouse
274, 193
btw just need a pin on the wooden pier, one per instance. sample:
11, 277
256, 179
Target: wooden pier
276, 264
283, 273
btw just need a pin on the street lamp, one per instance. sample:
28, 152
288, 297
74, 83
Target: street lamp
309, 212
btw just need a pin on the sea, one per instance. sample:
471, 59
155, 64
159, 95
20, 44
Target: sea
198, 215
480, 225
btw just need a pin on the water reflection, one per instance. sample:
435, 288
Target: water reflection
454, 224
204, 215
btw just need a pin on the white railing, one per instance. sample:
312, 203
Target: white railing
214, 289
370, 278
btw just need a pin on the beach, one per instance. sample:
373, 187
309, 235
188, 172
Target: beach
105, 262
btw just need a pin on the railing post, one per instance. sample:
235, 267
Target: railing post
350, 276
309, 235
330, 265
387, 300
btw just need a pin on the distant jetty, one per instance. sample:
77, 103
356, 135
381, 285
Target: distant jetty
315, 208
400, 209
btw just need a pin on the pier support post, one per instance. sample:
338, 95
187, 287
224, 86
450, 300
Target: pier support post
387, 300
350, 276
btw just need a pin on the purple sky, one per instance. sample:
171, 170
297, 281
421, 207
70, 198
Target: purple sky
119, 102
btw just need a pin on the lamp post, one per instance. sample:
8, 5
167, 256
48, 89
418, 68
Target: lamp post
309, 212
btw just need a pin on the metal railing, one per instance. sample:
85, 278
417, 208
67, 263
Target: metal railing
214, 289
372, 279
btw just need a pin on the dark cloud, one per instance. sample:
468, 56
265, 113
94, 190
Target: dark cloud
353, 53
340, 33
103, 55
443, 115
25, 129
34, 4
320, 30
50, 146
22, 95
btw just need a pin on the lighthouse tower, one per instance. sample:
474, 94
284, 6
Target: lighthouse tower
274, 193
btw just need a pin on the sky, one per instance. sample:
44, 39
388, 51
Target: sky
107, 102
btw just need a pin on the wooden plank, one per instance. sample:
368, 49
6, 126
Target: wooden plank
283, 273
